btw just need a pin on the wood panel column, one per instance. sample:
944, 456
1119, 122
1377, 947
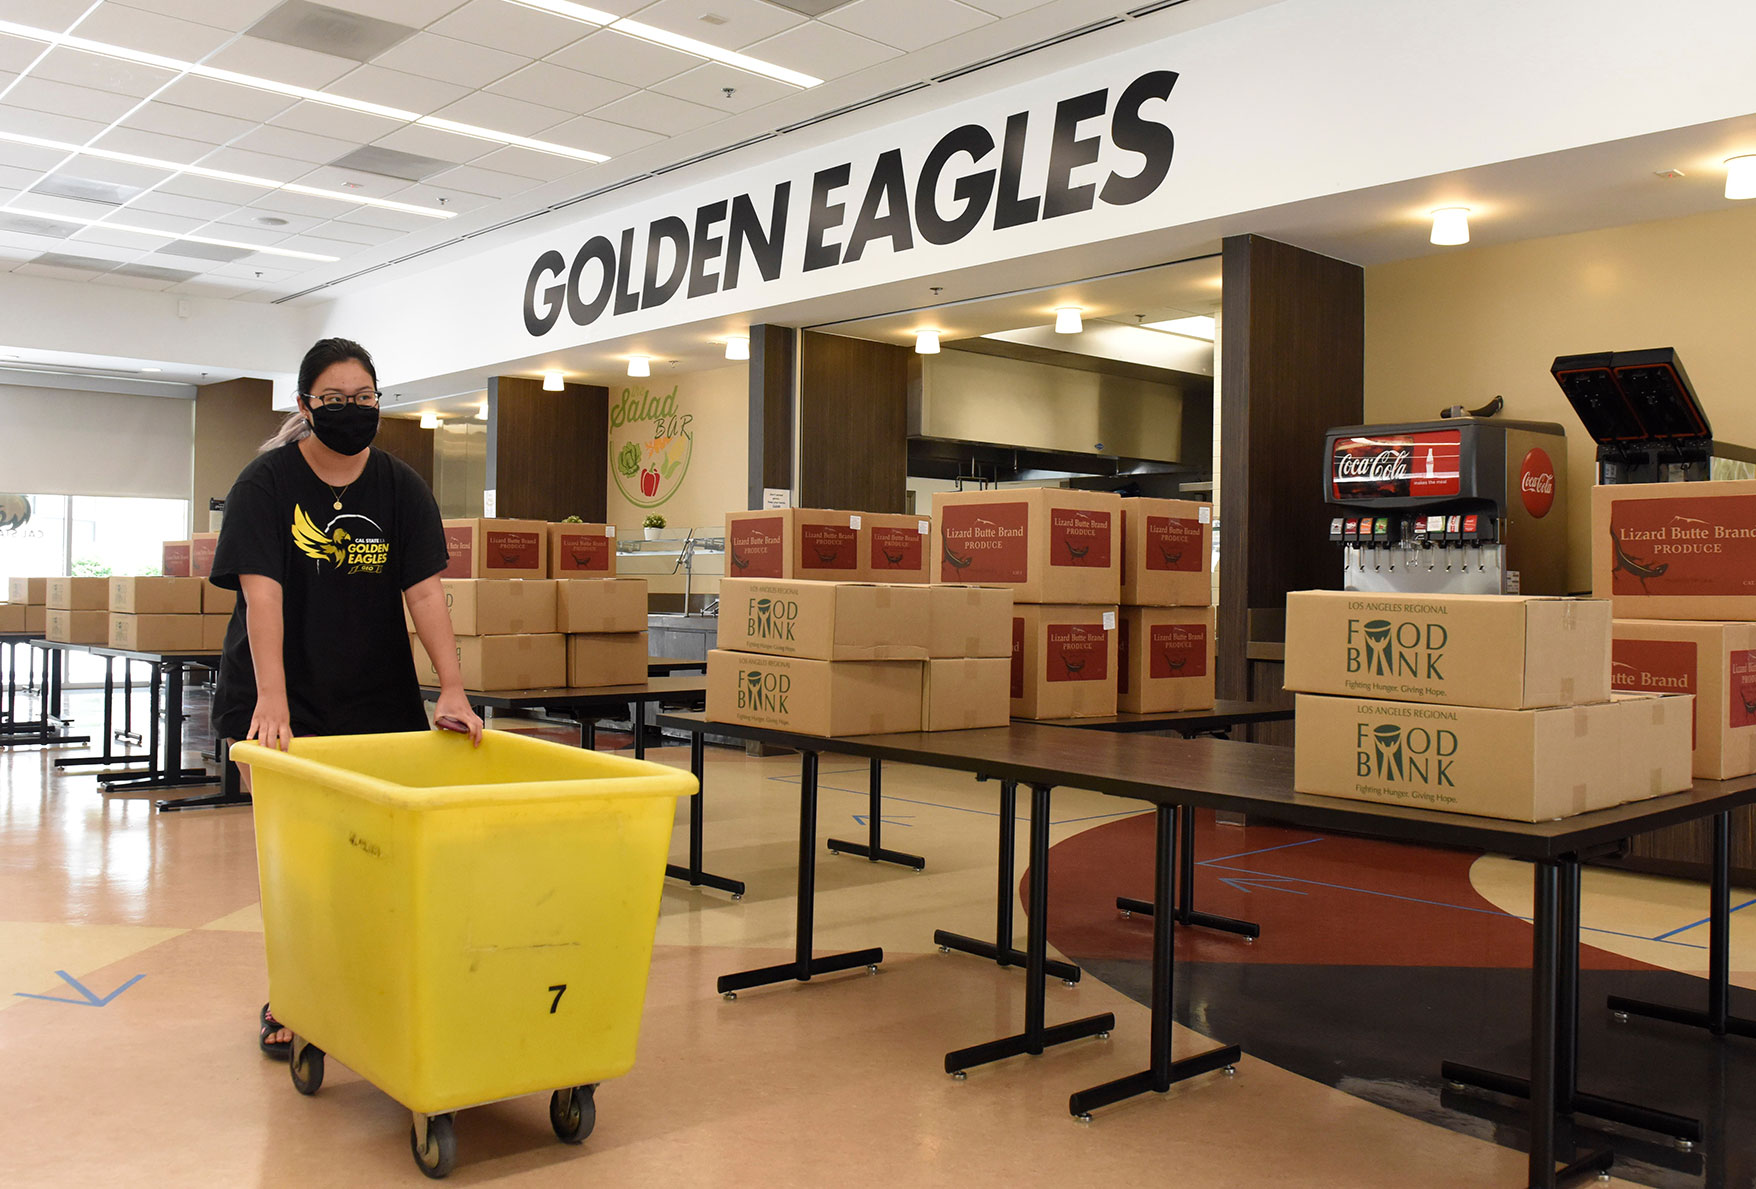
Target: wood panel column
404, 437
1292, 366
772, 371
853, 424
548, 452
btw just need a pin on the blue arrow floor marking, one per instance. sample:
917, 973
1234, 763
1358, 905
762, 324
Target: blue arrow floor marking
88, 998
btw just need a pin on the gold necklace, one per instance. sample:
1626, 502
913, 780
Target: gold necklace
339, 494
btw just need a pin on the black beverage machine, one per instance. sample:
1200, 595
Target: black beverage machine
1649, 427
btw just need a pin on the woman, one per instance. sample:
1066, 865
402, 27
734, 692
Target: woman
324, 539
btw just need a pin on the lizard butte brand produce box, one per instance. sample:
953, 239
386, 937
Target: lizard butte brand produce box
960, 694
492, 663
201, 548
969, 621
1507, 651
895, 548
174, 562
794, 543
600, 605
1164, 659
607, 658
1525, 765
156, 633
156, 596
1675, 550
814, 697
582, 551
497, 606
78, 594
1167, 553
1049, 545
1714, 661
831, 621
1063, 661
497, 548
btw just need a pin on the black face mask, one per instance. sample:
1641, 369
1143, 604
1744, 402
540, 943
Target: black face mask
345, 429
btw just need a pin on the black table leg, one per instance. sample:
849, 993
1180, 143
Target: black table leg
693, 874
109, 757
49, 728
1036, 1035
873, 847
168, 772
1186, 912
129, 734
804, 966
636, 718
588, 731
1001, 949
1163, 1071
1717, 1019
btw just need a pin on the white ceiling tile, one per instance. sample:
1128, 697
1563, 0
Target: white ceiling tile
431, 142
486, 110
187, 123
707, 83
226, 14
532, 164
321, 246
450, 60
160, 202
298, 146
510, 27
106, 74
99, 170
48, 125
54, 272
746, 21
48, 204
15, 158
659, 113
188, 185
205, 94
153, 32
251, 217
456, 201
337, 123
1005, 8
32, 244
46, 14
600, 136
487, 182
86, 103
16, 53
221, 290
256, 165
358, 233
111, 238
556, 86
418, 13
152, 144
395, 88
282, 63
371, 216
908, 24
625, 59
283, 202
823, 50
352, 181
252, 270
123, 281
140, 216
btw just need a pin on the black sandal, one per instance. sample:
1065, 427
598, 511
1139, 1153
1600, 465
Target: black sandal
280, 1050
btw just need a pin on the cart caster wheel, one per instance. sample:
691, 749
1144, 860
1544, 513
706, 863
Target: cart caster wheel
737, 895
958, 1075
729, 996
1620, 1017
1231, 1071
440, 1155
1085, 1118
306, 1067
833, 851
1604, 1175
573, 1113
1456, 1086
1127, 914
945, 949
1103, 1036
1249, 941
871, 970
1685, 1145
1067, 982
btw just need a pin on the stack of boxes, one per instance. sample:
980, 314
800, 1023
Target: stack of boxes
541, 633
26, 606
1497, 705
826, 545
1165, 641
1059, 552
1678, 562
604, 621
78, 610
167, 615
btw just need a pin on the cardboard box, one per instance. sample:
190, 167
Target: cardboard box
30, 591
1167, 553
156, 596
1164, 659
156, 633
1063, 661
76, 627
497, 606
217, 600
1675, 550
895, 548
582, 551
1714, 661
175, 563
969, 621
600, 605
1526, 765
1050, 545
814, 697
1507, 651
213, 632
497, 548
78, 594
961, 694
12, 617
793, 543
201, 548
36, 618
609, 658
829, 621
492, 663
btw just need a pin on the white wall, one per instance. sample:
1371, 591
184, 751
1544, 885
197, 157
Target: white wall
61, 441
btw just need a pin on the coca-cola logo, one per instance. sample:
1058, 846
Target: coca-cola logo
1388, 463
1536, 482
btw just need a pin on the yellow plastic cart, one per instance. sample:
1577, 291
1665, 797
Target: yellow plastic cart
461, 925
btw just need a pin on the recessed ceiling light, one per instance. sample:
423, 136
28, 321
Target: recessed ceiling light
554, 382
639, 365
1068, 320
271, 220
429, 420
737, 347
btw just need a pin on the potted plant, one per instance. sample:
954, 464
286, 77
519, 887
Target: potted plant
655, 526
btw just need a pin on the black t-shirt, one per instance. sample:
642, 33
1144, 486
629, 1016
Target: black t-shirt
342, 574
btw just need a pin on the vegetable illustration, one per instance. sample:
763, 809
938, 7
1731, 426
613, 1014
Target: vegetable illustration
1640, 570
1070, 664
827, 556
649, 482
628, 459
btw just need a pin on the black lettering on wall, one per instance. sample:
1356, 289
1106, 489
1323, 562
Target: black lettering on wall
536, 321
1009, 209
673, 231
826, 216
706, 249
888, 188
627, 301
1154, 141
766, 247
974, 190
581, 311
1068, 151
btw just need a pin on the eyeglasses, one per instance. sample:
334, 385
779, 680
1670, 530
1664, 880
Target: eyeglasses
366, 399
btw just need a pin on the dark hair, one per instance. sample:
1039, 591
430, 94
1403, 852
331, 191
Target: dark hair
325, 353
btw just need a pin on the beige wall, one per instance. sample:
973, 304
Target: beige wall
231, 420
717, 404
1464, 325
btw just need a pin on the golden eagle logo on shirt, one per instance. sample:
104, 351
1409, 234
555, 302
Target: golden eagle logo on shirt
352, 544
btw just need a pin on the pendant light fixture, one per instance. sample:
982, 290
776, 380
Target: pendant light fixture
737, 347
552, 382
1450, 226
429, 420
639, 366
1069, 321
1741, 176
926, 342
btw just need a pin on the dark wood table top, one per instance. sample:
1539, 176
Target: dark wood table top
654, 689
670, 664
19, 637
1220, 715
1240, 777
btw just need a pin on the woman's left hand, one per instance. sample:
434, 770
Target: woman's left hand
456, 706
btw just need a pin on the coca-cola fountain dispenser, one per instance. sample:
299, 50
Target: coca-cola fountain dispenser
1463, 505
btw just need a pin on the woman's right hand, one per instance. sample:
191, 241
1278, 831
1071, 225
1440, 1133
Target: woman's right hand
271, 722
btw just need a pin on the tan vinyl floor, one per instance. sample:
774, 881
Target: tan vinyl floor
839, 1080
